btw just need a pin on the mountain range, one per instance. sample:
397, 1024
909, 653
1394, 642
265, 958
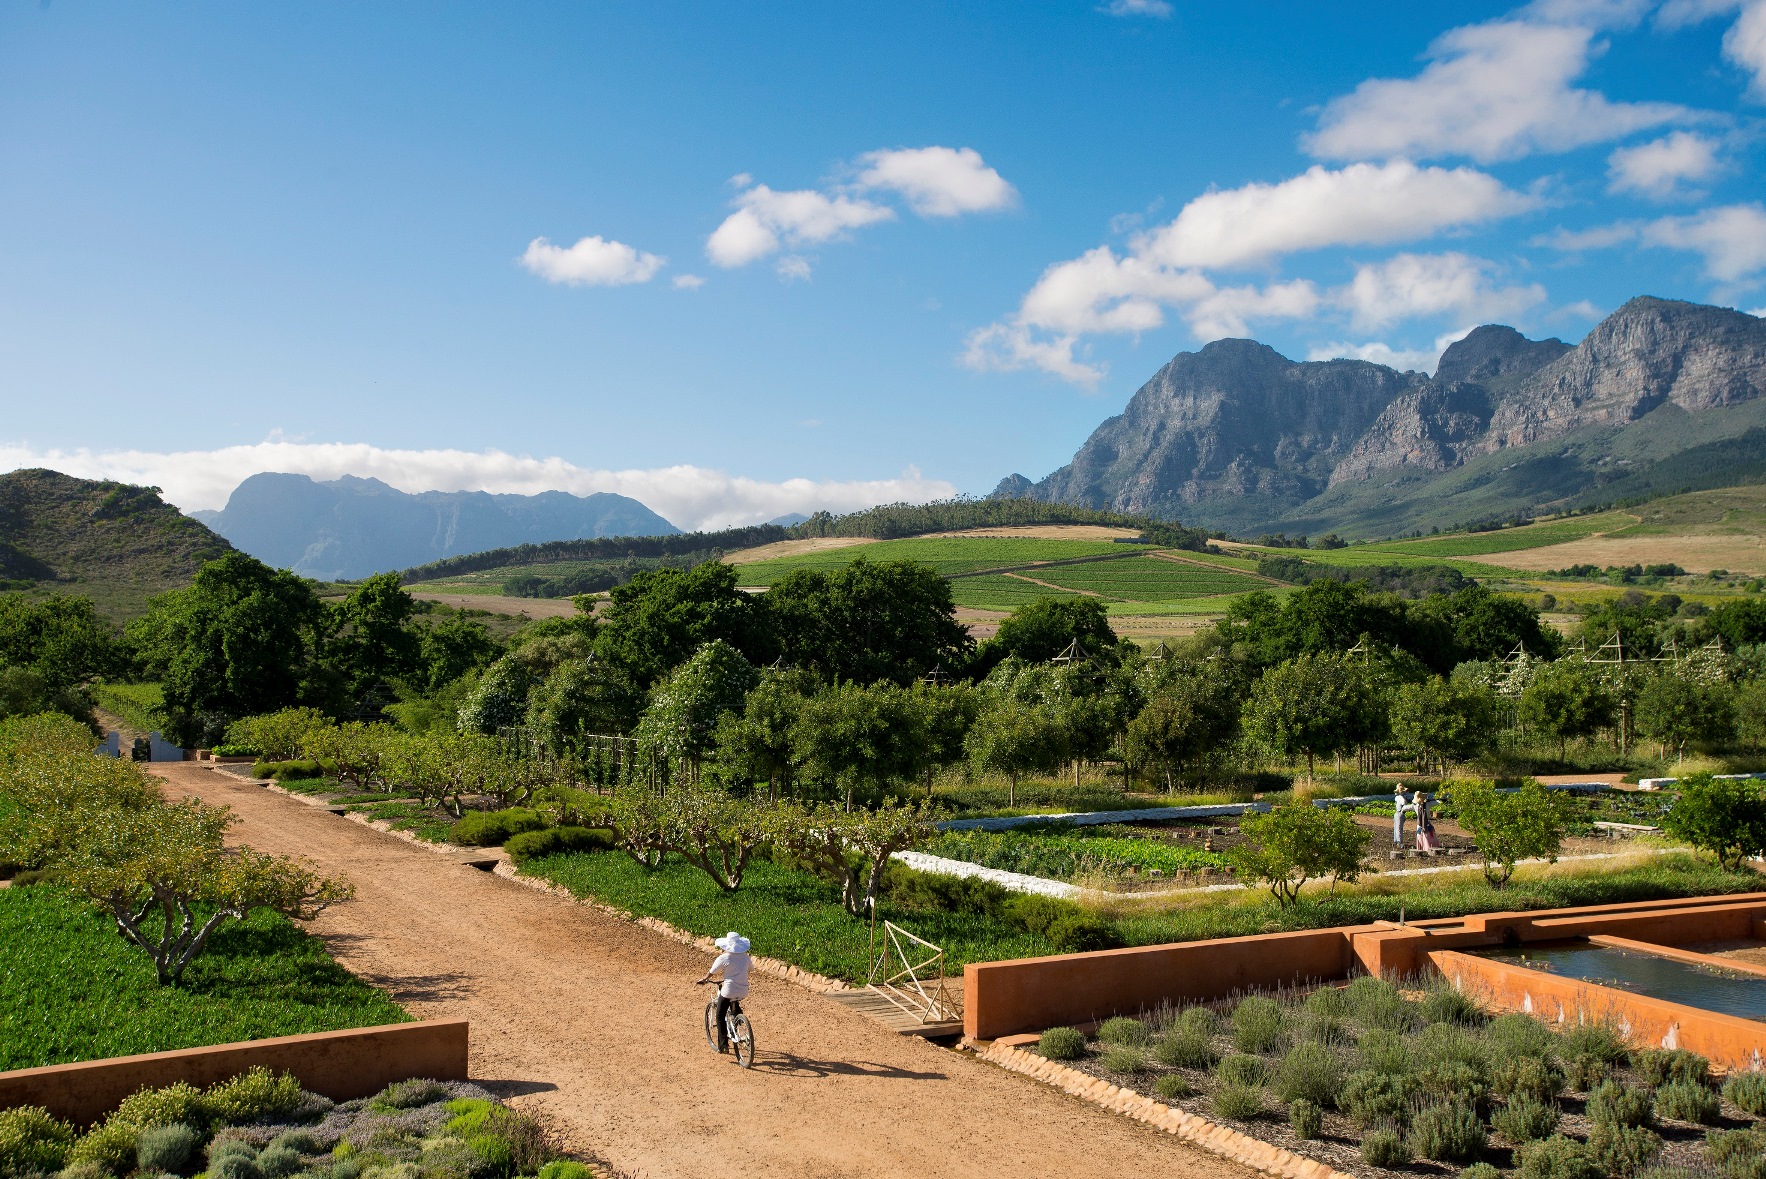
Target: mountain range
1660, 396
351, 527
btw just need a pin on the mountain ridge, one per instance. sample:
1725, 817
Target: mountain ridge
352, 527
1237, 437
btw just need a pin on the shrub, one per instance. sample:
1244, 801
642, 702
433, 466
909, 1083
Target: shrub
1480, 1171
557, 841
1377, 1004
1306, 1118
565, 1169
1659, 1066
1258, 1024
1687, 1101
1739, 1153
234, 1166
1527, 1076
278, 1162
1443, 1004
176, 1104
111, 1146
222, 1147
288, 770
1520, 1035
1203, 1021
1239, 1069
1126, 1060
1384, 1052
1309, 1073
1332, 1002
1171, 1086
301, 1141
411, 1094
493, 828
494, 1149
1082, 933
236, 751
1526, 1118
1587, 1072
1054, 1044
1182, 1048
1747, 1092
1614, 1104
1377, 1099
166, 1149
1238, 1103
1121, 1029
32, 1140
1384, 1148
473, 1114
1599, 1040
1558, 1157
1447, 1133
255, 1096
1622, 1149
1454, 1081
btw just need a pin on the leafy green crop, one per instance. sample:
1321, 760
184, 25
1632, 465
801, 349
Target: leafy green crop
1059, 852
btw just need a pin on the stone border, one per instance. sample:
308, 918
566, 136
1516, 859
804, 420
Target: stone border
1197, 1131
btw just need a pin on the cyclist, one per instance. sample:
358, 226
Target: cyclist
733, 962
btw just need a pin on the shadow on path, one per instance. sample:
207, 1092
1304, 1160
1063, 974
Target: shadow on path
791, 1065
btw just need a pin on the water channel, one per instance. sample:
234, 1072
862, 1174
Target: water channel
1722, 991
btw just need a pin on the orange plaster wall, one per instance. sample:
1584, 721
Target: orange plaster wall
338, 1065
1648, 1023
1032, 994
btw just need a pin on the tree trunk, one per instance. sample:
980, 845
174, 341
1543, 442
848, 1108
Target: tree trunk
1011, 790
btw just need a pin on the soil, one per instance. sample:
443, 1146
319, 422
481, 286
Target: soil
595, 1021
792, 548
1700, 554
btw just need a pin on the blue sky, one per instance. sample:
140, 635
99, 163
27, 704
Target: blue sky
738, 260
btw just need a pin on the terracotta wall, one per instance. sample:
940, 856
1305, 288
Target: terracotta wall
1648, 1023
1032, 994
339, 1065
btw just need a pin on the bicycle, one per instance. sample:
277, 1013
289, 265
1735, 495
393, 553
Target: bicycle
738, 1031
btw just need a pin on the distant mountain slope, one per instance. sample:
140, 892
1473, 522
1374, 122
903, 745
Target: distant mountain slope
113, 542
1660, 396
350, 527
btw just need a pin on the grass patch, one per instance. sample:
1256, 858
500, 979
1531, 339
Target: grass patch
136, 705
789, 915
70, 989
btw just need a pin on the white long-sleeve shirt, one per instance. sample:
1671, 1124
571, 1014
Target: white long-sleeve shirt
735, 968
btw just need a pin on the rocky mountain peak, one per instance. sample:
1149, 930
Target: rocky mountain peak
1494, 352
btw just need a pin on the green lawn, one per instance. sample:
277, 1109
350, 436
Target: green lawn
71, 989
946, 554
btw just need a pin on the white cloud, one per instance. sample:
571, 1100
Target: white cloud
1493, 91
792, 268
1158, 8
1580, 309
765, 221
1402, 359
1008, 347
1732, 238
688, 282
938, 181
1744, 43
1599, 14
1658, 168
1407, 286
1228, 312
690, 497
1758, 312
1362, 204
591, 262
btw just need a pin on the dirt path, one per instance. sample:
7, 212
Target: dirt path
596, 1021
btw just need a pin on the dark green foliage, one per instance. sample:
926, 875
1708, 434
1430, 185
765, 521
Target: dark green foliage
1171, 1086
1447, 1133
703, 545
1061, 1044
1042, 629
1746, 1091
1376, 1003
1587, 1071
32, 1141
1739, 1154
1241, 1069
1687, 1101
1309, 1072
1558, 1157
1525, 1119
288, 771
235, 1166
1185, 1047
1068, 928
1126, 1060
1384, 1148
1377, 1099
656, 621
1238, 1103
1535, 1077
1724, 817
1620, 1105
1623, 1149
1258, 1025
556, 841
1599, 1040
1383, 1051
83, 994
278, 1162
1443, 1004
1121, 1029
493, 828
1660, 1066
1306, 1118
1515, 1035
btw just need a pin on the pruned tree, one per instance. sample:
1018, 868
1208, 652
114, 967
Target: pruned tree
1014, 737
1673, 710
280, 735
1510, 826
1296, 842
852, 847
681, 722
354, 750
1444, 721
1723, 816
1566, 699
1313, 705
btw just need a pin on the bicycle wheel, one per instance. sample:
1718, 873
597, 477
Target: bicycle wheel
742, 1040
711, 1023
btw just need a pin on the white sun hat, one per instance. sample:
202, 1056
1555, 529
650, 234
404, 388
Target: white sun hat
732, 942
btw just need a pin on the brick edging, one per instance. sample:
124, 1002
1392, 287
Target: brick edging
795, 975
1199, 1131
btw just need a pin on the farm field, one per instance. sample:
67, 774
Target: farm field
1149, 579
947, 554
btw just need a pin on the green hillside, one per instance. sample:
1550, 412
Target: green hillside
115, 543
